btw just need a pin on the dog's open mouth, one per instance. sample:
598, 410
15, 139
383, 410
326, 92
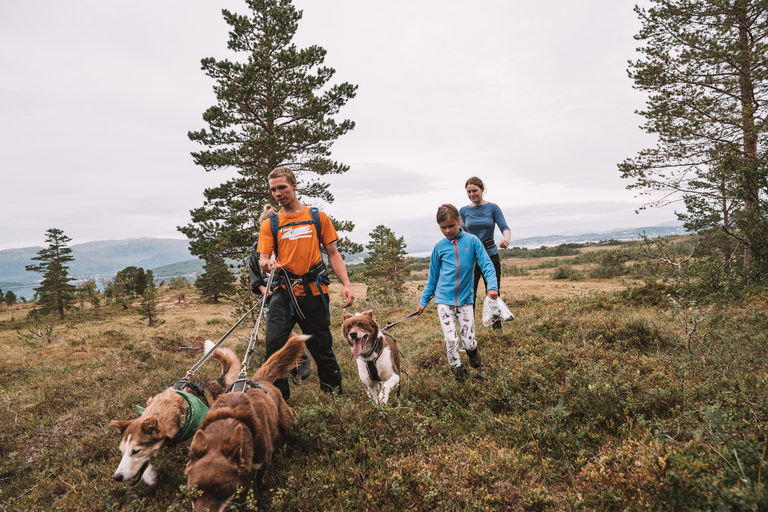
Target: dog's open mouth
139, 474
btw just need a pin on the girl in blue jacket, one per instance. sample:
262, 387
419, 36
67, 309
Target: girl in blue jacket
450, 282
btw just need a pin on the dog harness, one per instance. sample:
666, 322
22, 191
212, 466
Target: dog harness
373, 373
196, 411
241, 385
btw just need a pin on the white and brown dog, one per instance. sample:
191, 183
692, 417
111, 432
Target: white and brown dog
376, 353
170, 418
241, 432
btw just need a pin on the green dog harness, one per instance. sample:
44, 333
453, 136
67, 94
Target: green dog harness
196, 411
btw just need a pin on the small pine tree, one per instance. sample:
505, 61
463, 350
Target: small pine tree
216, 281
10, 298
150, 302
55, 291
387, 266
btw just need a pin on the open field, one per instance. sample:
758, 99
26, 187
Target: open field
595, 398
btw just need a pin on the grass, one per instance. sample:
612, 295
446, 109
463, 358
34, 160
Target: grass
588, 401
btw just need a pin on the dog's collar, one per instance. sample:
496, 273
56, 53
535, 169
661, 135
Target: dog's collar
196, 411
373, 348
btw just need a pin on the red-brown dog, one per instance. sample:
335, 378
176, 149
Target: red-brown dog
241, 432
376, 353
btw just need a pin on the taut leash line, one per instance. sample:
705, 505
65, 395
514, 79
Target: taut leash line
401, 320
181, 383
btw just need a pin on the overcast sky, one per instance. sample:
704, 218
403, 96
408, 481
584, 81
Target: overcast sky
97, 97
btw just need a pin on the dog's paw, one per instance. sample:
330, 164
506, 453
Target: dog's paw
150, 475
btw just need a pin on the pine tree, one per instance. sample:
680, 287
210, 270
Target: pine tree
55, 291
387, 266
705, 70
216, 281
275, 107
10, 298
149, 308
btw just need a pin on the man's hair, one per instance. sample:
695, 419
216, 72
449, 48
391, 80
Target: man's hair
283, 172
474, 180
446, 211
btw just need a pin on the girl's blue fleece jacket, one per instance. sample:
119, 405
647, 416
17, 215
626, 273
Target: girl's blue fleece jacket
452, 271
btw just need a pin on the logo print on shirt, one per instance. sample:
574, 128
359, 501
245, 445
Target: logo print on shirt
297, 232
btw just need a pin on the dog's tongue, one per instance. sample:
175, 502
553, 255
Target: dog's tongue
357, 348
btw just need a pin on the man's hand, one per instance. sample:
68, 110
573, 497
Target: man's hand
347, 296
493, 294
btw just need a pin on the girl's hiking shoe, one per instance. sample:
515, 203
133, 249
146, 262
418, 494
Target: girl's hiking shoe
459, 373
474, 358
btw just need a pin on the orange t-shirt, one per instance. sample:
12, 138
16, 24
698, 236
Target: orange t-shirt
297, 246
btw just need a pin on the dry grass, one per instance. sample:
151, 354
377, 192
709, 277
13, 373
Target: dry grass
585, 395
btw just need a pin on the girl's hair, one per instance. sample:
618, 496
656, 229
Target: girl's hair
447, 211
283, 172
268, 210
474, 180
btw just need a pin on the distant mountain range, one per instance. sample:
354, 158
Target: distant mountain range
99, 259
168, 257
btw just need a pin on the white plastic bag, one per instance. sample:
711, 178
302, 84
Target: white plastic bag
494, 310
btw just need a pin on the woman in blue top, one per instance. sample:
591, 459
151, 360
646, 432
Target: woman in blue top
451, 270
481, 218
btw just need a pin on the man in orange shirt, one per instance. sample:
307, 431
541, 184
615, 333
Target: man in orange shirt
299, 264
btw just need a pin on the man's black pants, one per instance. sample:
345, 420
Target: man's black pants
280, 323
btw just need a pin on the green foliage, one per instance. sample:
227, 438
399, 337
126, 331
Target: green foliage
150, 303
55, 293
178, 283
10, 298
87, 291
388, 265
706, 76
275, 106
567, 272
217, 280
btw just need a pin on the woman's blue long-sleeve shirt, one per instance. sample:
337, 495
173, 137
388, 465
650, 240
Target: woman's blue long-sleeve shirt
451, 271
481, 220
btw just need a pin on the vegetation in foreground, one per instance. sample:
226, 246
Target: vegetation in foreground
621, 401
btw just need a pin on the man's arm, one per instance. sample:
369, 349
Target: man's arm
337, 264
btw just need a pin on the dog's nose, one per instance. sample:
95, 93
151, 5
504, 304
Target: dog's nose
118, 477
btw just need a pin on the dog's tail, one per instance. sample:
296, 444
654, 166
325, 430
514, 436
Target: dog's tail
230, 364
283, 360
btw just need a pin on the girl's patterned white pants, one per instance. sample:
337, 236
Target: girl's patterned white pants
450, 318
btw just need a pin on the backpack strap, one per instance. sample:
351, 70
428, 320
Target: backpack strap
314, 213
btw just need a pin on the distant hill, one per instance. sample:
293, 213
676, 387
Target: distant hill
618, 234
168, 257
98, 259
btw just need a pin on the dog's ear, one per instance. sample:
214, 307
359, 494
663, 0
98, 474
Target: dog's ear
199, 446
368, 313
233, 448
120, 425
346, 314
151, 428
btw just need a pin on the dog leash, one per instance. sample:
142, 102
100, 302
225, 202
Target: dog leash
243, 382
179, 384
401, 320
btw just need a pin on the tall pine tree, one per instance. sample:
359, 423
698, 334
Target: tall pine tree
704, 66
275, 107
55, 292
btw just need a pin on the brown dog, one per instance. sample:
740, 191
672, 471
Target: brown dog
241, 432
376, 353
165, 421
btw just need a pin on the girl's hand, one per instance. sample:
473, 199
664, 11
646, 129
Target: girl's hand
493, 294
420, 309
